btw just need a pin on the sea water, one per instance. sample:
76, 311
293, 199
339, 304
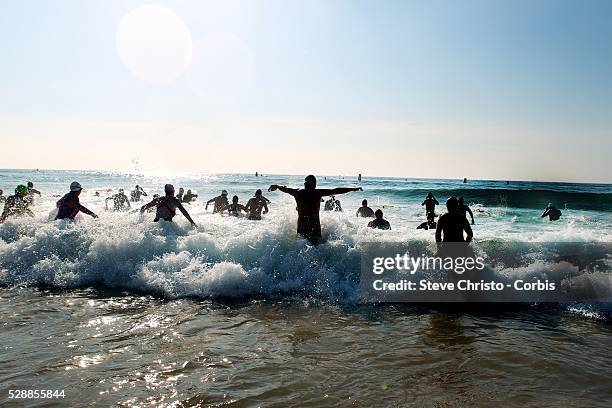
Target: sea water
123, 310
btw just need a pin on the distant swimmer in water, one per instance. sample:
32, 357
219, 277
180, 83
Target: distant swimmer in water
430, 207
359, 177
332, 204
364, 210
255, 205
69, 205
189, 197
453, 224
552, 212
219, 201
166, 206
308, 202
465, 180
31, 191
137, 193
235, 208
16, 204
464, 209
121, 202
379, 222
180, 194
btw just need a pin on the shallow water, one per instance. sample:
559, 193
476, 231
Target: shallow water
120, 310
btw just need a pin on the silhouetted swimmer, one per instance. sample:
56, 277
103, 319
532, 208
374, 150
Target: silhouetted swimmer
465, 180
552, 212
332, 204
364, 210
137, 193
31, 191
180, 194
121, 202
308, 202
430, 207
255, 205
189, 197
379, 222
219, 201
17, 204
452, 224
465, 210
235, 208
166, 206
69, 205
359, 177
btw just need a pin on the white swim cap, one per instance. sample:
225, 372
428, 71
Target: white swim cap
75, 186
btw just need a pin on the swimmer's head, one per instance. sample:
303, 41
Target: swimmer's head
188, 191
460, 200
235, 199
364, 203
224, 193
169, 189
451, 204
310, 182
258, 193
155, 196
75, 186
378, 213
181, 190
429, 195
30, 184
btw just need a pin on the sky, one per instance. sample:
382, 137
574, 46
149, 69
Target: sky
510, 90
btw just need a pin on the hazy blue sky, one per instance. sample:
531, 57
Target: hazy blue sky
482, 89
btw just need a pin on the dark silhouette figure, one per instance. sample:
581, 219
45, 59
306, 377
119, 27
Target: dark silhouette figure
31, 191
308, 202
255, 205
379, 222
465, 180
166, 206
364, 210
465, 210
552, 212
120, 201
452, 224
69, 205
189, 197
137, 193
430, 207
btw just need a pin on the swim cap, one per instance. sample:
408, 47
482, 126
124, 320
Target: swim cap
21, 189
224, 192
378, 213
452, 203
75, 186
30, 184
169, 188
121, 190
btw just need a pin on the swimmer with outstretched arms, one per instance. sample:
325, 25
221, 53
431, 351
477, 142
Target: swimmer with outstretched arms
308, 202
166, 206
219, 202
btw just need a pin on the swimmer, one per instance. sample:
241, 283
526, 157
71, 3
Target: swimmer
189, 197
234, 209
121, 201
379, 222
69, 205
364, 210
308, 202
464, 209
430, 203
451, 225
16, 204
166, 206
255, 205
552, 212
219, 202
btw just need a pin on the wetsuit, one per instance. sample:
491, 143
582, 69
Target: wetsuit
430, 206
452, 225
69, 206
379, 223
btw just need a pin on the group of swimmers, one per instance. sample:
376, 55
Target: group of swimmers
450, 226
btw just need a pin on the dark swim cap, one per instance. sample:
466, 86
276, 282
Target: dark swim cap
169, 188
378, 213
452, 203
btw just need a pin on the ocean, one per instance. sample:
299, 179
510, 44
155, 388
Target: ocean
123, 311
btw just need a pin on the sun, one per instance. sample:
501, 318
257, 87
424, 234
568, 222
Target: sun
154, 44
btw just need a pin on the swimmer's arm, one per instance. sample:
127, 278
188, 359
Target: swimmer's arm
468, 231
339, 190
471, 214
265, 206
35, 191
185, 213
436, 202
147, 206
284, 189
266, 200
87, 211
212, 200
545, 213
